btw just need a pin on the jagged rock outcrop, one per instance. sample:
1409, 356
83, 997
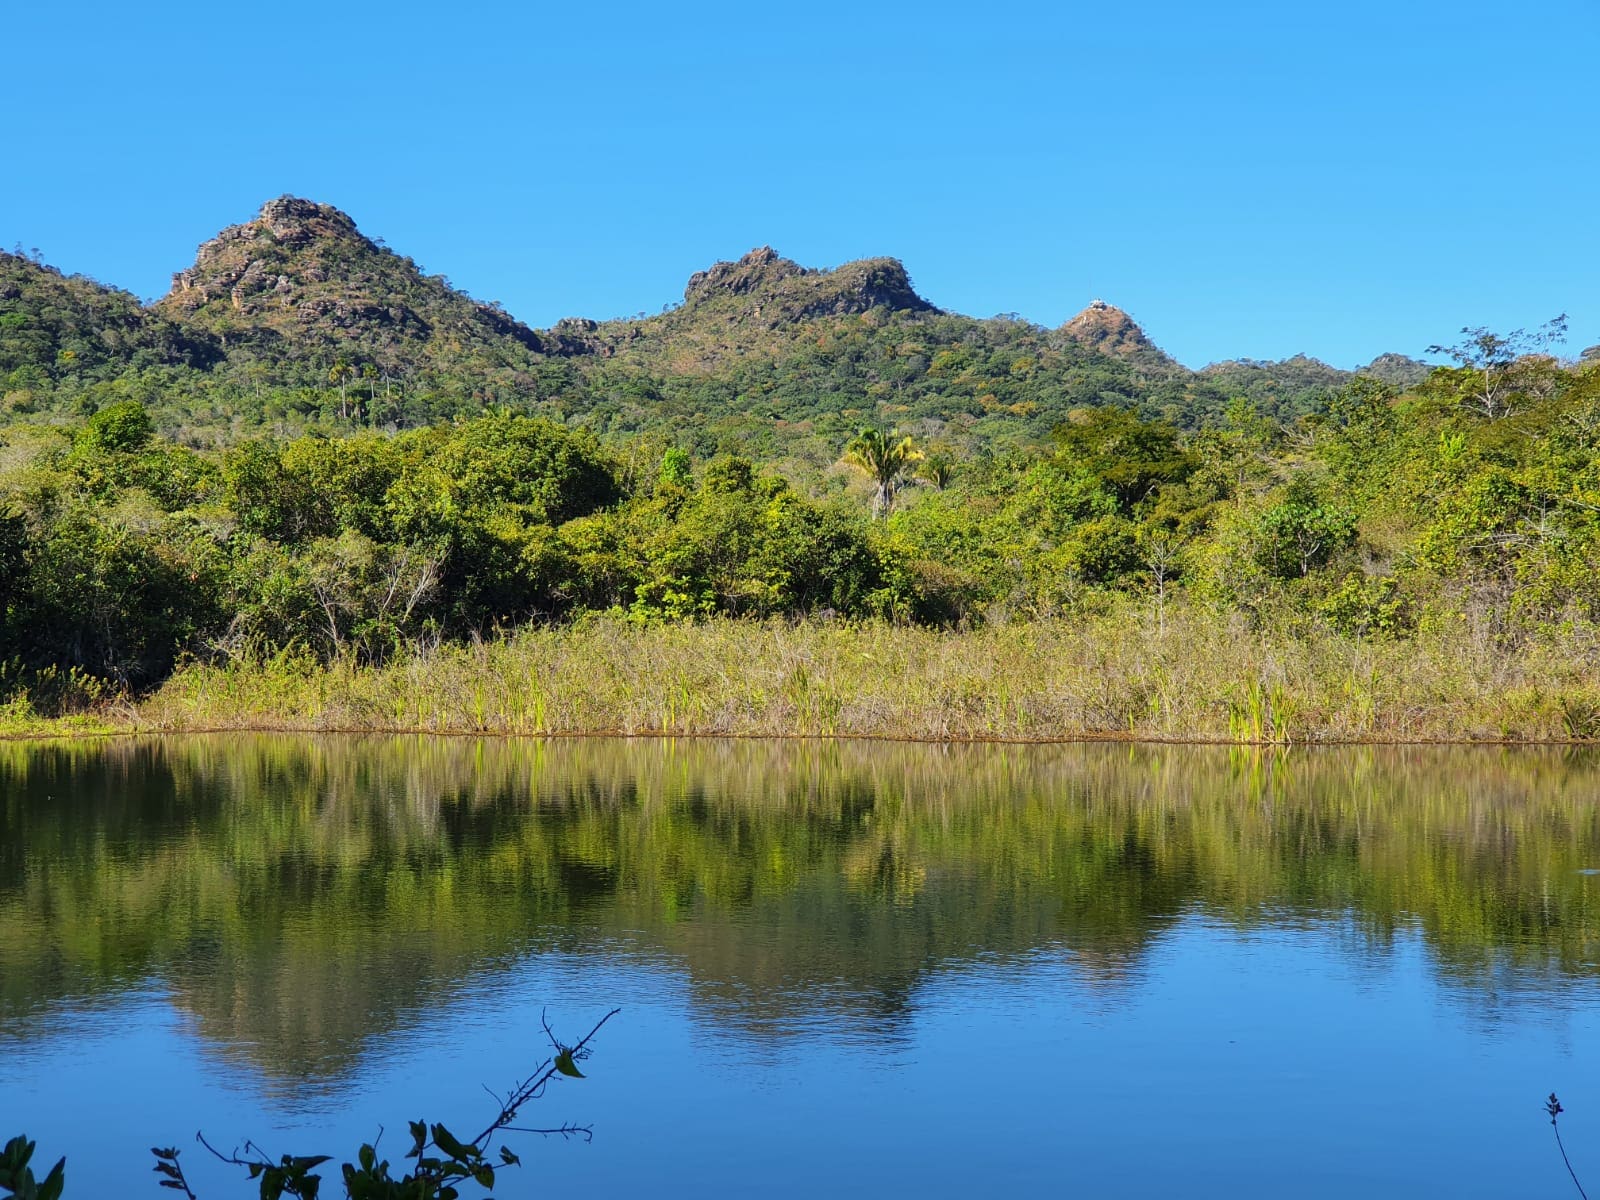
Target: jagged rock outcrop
1106, 328
767, 287
761, 268
760, 304
301, 278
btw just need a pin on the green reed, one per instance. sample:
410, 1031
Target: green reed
1119, 674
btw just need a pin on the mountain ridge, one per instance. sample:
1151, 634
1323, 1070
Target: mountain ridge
298, 296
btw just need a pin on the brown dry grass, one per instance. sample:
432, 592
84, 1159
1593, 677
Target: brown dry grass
1200, 677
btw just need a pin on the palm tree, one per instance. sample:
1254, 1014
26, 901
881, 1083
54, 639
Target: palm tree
937, 470
886, 460
340, 374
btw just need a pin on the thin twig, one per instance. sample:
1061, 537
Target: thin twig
535, 1085
1553, 1107
231, 1157
586, 1132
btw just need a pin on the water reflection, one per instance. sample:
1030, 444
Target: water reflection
300, 897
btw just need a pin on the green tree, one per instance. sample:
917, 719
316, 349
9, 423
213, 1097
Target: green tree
1360, 427
341, 373
885, 459
1491, 362
676, 468
370, 374
1132, 457
121, 428
936, 470
1302, 532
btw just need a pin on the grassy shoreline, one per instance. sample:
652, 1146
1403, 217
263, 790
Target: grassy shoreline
1124, 675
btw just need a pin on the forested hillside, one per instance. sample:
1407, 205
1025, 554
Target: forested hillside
310, 447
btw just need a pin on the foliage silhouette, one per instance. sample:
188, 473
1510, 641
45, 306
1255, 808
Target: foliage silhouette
443, 1162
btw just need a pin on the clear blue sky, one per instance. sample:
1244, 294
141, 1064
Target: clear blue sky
1247, 179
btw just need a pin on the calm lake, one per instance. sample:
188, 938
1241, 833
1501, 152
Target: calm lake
844, 969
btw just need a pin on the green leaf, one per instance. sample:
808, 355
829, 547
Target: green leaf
484, 1174
566, 1066
50, 1189
18, 1150
507, 1158
307, 1162
447, 1142
419, 1135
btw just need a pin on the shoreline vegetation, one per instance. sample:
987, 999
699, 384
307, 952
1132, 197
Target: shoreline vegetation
1127, 673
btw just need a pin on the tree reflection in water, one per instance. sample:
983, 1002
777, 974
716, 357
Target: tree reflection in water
299, 895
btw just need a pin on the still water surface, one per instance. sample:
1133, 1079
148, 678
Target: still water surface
844, 969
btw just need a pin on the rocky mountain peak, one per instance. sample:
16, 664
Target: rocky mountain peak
289, 218
874, 282
277, 250
300, 274
763, 266
775, 289
1106, 328
1397, 369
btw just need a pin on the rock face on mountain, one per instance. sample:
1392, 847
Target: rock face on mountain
760, 270
301, 278
779, 289
1108, 329
761, 305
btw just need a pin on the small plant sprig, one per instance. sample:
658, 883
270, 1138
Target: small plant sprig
443, 1161
1553, 1107
172, 1174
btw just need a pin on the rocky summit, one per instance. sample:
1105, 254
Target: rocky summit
781, 290
302, 279
1108, 329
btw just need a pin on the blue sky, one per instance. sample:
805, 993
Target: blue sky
1247, 179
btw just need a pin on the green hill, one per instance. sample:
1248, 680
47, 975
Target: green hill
67, 331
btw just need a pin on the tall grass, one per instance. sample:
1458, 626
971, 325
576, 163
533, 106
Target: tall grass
1122, 674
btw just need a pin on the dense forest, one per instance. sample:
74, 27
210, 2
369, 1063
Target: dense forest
310, 446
